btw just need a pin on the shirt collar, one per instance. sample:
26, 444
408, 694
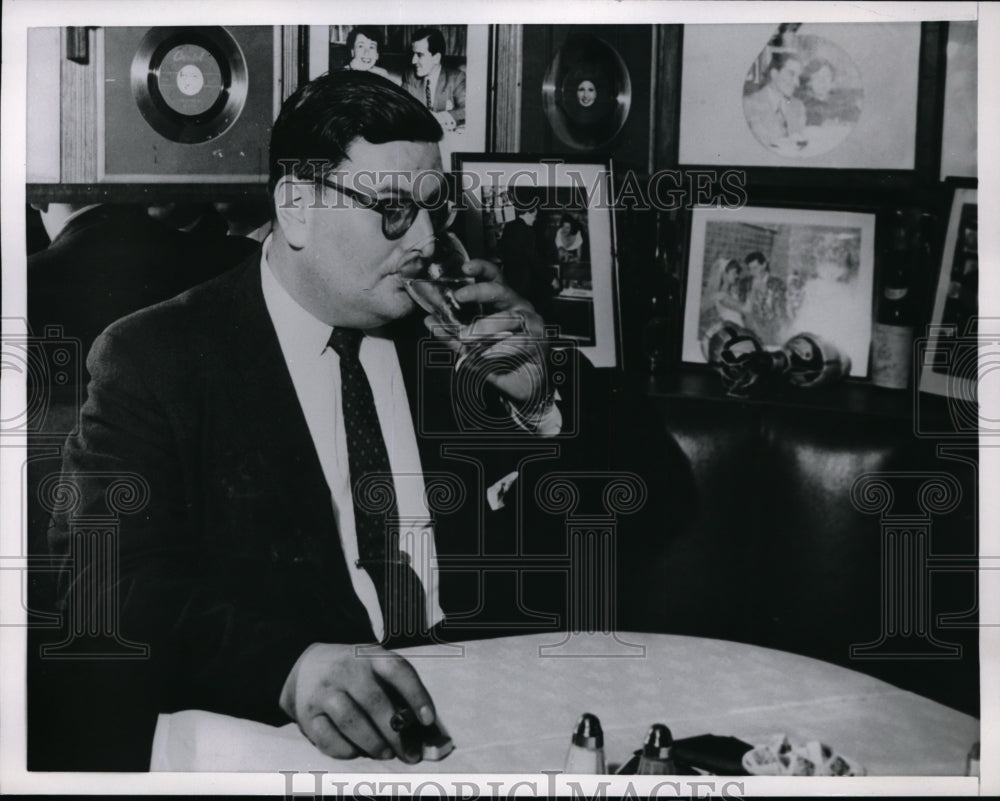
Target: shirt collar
298, 331
433, 74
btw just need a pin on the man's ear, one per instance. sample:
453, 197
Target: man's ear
292, 199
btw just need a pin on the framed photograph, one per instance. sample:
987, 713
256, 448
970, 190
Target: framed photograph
460, 86
175, 104
961, 108
950, 360
810, 95
550, 227
780, 272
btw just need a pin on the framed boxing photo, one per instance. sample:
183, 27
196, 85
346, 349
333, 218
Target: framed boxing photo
549, 225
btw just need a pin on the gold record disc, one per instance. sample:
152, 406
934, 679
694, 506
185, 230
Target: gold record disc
586, 93
190, 83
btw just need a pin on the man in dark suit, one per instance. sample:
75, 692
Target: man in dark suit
440, 88
764, 299
524, 269
261, 414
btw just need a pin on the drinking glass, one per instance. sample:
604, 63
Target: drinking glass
433, 290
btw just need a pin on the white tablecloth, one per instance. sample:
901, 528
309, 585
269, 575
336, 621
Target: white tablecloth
510, 708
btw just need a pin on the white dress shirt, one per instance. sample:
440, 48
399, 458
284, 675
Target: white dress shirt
315, 371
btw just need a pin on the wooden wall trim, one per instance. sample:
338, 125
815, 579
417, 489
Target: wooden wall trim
290, 71
78, 112
505, 81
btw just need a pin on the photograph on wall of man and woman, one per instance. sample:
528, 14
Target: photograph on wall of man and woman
539, 236
779, 279
803, 95
429, 61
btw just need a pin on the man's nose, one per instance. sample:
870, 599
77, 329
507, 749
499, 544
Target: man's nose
420, 235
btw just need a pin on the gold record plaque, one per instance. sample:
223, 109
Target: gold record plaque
190, 84
586, 93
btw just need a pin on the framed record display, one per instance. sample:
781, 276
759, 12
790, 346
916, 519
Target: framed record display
587, 92
177, 103
587, 89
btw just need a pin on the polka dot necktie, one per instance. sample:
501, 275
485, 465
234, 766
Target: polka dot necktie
400, 593
427, 91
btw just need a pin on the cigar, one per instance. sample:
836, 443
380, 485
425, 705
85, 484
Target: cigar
403, 719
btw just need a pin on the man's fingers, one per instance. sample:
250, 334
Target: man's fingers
354, 724
401, 676
513, 321
483, 270
491, 292
322, 733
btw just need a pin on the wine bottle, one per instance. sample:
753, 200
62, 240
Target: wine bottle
892, 335
658, 330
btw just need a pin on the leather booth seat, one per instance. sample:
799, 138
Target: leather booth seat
763, 534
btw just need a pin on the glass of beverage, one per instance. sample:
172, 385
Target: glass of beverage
434, 292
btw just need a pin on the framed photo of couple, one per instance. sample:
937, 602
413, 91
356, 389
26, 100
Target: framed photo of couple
388, 50
781, 272
812, 95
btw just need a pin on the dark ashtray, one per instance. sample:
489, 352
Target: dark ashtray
632, 765
695, 756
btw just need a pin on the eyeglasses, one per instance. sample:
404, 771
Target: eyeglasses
398, 215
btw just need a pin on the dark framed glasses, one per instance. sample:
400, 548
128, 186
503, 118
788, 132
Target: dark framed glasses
398, 214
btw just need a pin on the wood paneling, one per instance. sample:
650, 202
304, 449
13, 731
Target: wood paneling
78, 113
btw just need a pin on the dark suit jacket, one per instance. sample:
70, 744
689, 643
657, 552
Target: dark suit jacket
524, 268
450, 89
235, 564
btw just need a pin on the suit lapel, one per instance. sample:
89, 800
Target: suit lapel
274, 429
441, 92
261, 388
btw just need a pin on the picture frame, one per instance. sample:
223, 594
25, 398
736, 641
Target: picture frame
466, 49
143, 134
961, 107
570, 244
888, 123
817, 276
948, 358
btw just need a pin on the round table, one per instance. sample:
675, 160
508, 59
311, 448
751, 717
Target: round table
511, 704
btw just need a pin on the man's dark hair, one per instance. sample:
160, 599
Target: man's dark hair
756, 256
322, 118
778, 61
363, 30
434, 37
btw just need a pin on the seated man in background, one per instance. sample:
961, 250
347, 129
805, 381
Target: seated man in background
440, 88
259, 408
107, 260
